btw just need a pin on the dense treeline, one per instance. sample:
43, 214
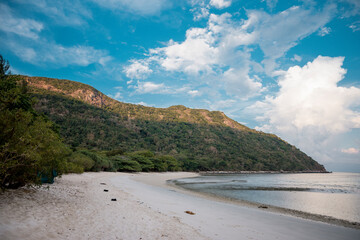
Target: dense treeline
30, 148
118, 160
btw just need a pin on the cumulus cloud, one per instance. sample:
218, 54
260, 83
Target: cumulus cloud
213, 50
310, 108
137, 70
201, 8
220, 55
220, 3
12, 24
350, 150
192, 56
222, 50
200, 13
142, 7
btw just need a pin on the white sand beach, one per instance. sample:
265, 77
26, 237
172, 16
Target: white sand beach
77, 207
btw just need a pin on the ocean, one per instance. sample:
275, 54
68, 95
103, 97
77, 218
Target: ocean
330, 194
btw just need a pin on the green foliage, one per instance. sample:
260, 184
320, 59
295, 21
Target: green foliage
171, 162
159, 165
125, 164
29, 148
115, 152
145, 163
197, 139
100, 161
71, 167
82, 160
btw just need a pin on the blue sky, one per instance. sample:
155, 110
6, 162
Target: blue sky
286, 67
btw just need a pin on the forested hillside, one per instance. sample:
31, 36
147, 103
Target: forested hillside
197, 139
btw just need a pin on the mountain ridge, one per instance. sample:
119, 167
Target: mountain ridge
203, 139
94, 97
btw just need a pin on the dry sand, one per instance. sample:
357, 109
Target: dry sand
76, 207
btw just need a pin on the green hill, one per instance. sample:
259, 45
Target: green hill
199, 139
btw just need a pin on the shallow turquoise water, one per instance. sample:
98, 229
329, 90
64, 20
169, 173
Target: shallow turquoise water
332, 194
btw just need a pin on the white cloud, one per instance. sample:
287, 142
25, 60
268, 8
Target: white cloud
238, 83
296, 58
194, 93
66, 12
222, 49
196, 54
200, 9
150, 87
36, 49
24, 27
310, 108
276, 34
355, 26
222, 104
143, 104
271, 3
105, 60
214, 51
118, 96
43, 52
324, 31
78, 55
352, 8
200, 13
219, 55
142, 7
220, 3
137, 70
350, 150
161, 88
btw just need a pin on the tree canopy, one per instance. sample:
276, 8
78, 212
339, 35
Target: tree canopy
29, 146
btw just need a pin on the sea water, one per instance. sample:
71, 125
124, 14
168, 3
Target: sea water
331, 194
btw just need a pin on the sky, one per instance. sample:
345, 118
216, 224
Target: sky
286, 67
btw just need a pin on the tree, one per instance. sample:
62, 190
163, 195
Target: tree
29, 148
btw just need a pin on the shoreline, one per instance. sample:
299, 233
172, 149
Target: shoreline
257, 172
77, 206
271, 208
263, 207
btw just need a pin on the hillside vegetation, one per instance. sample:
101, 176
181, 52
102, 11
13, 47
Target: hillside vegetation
175, 137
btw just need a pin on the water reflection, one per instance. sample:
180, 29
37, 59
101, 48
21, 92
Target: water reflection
336, 194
